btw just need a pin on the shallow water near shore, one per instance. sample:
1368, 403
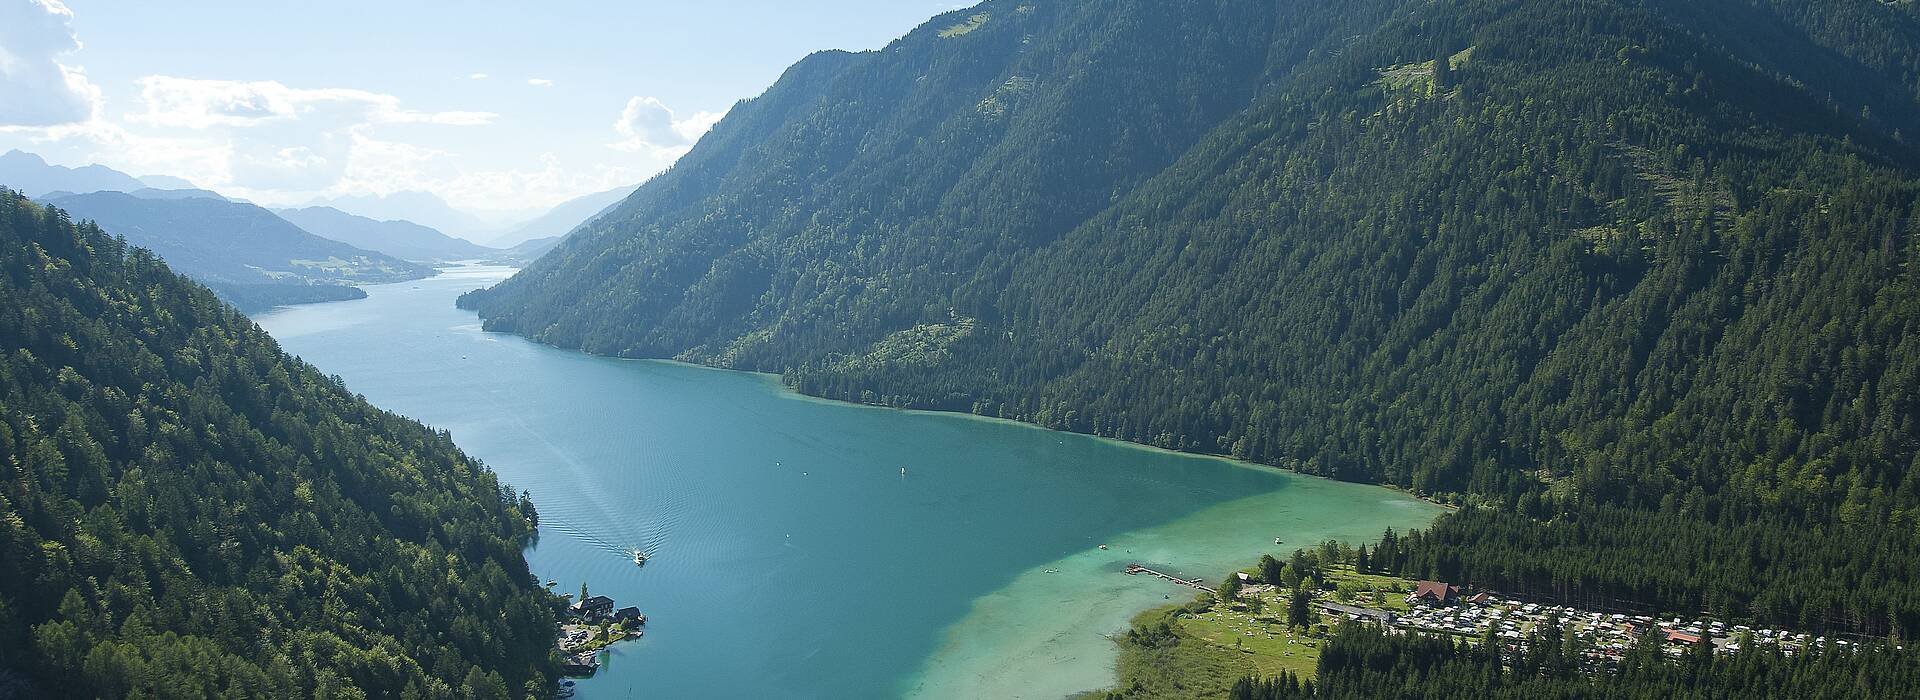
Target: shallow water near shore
803, 548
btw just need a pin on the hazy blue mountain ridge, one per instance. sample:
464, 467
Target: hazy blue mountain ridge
256, 258
399, 238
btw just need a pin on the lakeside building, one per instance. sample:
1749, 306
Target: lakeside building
595, 608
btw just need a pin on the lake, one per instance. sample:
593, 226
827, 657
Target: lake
805, 548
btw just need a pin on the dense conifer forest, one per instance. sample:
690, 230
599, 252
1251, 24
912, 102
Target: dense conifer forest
186, 511
1363, 663
1632, 281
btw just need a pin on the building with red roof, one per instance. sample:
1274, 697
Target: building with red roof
1682, 637
1434, 593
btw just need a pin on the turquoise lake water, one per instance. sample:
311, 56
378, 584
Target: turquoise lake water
791, 555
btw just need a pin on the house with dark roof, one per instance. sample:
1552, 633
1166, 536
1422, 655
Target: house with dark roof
629, 615
595, 608
1434, 593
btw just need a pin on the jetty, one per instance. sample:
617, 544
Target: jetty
1136, 569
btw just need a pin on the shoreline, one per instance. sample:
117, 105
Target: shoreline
1059, 614
1048, 632
797, 395
935, 673
790, 392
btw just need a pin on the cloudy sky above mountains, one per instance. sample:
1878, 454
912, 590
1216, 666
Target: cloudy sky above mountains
500, 108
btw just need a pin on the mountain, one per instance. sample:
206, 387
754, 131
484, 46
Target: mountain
242, 251
401, 239
167, 182
189, 193
1632, 281
148, 193
32, 175
187, 511
528, 251
423, 208
565, 217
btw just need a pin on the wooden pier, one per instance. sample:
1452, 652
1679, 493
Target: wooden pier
1136, 569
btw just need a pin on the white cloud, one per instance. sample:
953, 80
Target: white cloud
198, 104
196, 158
649, 126
36, 89
291, 163
263, 140
283, 145
696, 126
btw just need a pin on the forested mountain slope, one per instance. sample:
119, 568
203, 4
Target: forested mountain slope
1637, 275
874, 184
186, 511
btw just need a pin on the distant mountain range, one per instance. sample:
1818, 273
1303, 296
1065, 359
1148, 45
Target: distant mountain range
168, 182
385, 237
250, 256
528, 251
564, 217
34, 177
399, 238
422, 208
149, 193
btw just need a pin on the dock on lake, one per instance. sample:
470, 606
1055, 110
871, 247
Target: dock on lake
1136, 569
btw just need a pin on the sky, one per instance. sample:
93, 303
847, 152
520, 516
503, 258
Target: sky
500, 108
